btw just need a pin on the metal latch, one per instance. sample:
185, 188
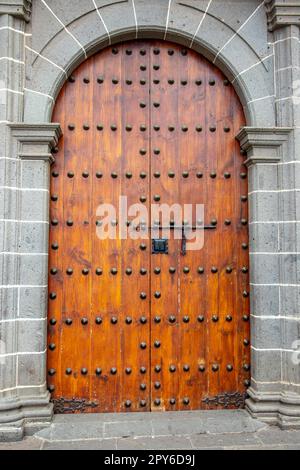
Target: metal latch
160, 246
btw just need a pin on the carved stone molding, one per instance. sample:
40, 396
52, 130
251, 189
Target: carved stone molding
37, 141
280, 13
282, 408
263, 145
19, 8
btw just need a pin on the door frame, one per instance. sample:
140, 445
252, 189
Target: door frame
34, 141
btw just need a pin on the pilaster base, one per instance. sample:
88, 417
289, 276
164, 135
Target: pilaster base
24, 416
282, 409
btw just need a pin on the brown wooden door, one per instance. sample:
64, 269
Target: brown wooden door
128, 329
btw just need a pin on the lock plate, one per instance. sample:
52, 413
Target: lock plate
160, 246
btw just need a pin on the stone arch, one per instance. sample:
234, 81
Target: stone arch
242, 61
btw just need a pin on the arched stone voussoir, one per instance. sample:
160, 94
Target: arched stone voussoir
117, 16
37, 108
151, 15
251, 75
254, 86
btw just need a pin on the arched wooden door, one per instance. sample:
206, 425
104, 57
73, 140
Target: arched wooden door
130, 329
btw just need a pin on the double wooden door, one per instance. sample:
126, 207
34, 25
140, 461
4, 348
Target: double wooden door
130, 329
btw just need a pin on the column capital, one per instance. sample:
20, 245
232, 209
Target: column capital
36, 140
282, 13
263, 145
19, 8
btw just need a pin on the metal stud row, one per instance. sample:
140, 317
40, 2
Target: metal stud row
156, 174
142, 81
157, 319
157, 385
143, 68
143, 128
114, 271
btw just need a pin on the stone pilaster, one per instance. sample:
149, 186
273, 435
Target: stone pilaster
17, 8
24, 399
275, 386
282, 13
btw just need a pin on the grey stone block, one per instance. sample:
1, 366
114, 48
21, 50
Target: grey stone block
263, 207
11, 236
63, 49
127, 429
90, 32
2, 230
264, 269
289, 234
67, 13
290, 332
34, 205
7, 374
28, 443
9, 266
178, 427
235, 13
103, 444
290, 269
291, 360
263, 177
264, 300
10, 73
37, 108
8, 303
3, 42
9, 203
155, 443
185, 19
81, 419
10, 172
4, 136
7, 337
289, 300
285, 79
33, 237
266, 366
288, 205
151, 16
258, 69
256, 21
265, 333
70, 432
286, 51
224, 440
44, 25
33, 270
33, 302
215, 42
31, 369
193, 425
274, 436
264, 238
262, 113
288, 173
285, 112
31, 336
118, 17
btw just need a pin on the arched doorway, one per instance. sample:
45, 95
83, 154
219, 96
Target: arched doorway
132, 327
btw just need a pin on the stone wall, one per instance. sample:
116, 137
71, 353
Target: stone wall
257, 45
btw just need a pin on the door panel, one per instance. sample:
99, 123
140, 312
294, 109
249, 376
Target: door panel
128, 329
